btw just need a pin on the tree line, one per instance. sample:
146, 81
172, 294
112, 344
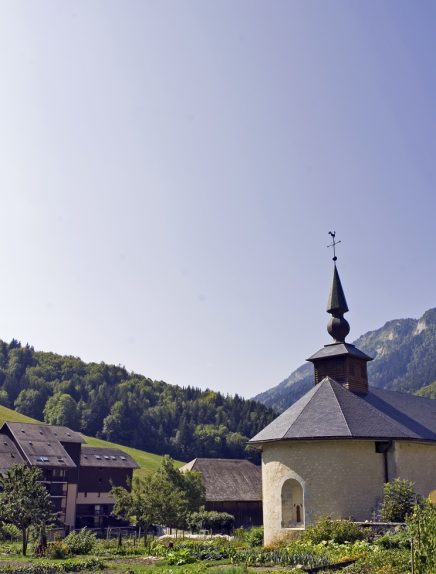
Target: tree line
107, 401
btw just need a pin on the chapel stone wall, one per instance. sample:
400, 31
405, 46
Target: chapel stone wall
342, 479
416, 462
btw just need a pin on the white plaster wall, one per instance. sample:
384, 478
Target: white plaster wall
343, 479
416, 462
70, 510
95, 498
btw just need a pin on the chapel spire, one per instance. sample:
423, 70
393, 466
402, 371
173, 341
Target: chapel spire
338, 326
341, 361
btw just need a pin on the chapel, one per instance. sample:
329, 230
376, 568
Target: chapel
331, 452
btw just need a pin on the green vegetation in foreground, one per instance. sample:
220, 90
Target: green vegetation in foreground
147, 461
325, 545
220, 556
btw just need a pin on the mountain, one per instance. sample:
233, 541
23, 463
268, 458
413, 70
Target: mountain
404, 352
147, 461
107, 402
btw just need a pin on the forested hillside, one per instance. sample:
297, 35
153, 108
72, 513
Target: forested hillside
108, 402
404, 352
147, 461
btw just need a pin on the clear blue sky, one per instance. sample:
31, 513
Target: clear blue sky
169, 172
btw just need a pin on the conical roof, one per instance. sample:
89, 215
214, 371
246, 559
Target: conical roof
331, 411
337, 302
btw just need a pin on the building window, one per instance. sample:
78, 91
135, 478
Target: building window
292, 504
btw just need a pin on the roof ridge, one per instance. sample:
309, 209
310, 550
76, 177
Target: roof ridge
377, 412
402, 393
295, 407
339, 404
317, 387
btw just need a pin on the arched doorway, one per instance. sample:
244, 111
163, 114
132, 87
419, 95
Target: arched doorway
292, 504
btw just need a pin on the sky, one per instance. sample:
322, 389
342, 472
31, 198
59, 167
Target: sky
169, 173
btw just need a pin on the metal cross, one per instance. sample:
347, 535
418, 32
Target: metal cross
333, 234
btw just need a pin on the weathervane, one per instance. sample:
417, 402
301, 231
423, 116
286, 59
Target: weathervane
333, 234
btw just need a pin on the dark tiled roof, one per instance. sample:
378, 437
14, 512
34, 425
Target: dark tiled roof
40, 444
331, 411
105, 458
9, 454
338, 349
34, 431
228, 479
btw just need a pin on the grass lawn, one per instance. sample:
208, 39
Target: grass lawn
147, 461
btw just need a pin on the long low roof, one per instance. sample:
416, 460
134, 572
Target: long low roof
228, 480
331, 411
106, 458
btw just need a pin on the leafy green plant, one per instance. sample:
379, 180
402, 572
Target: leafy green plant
255, 536
57, 549
210, 520
9, 532
422, 525
398, 539
398, 500
199, 550
89, 565
252, 536
81, 542
179, 557
382, 562
339, 531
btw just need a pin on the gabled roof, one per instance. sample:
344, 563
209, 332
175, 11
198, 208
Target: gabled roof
331, 411
35, 431
228, 479
106, 458
9, 454
40, 444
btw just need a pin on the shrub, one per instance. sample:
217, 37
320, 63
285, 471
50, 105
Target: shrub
81, 541
89, 565
210, 520
179, 557
399, 539
382, 562
422, 525
57, 549
216, 549
9, 532
398, 500
254, 536
339, 531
